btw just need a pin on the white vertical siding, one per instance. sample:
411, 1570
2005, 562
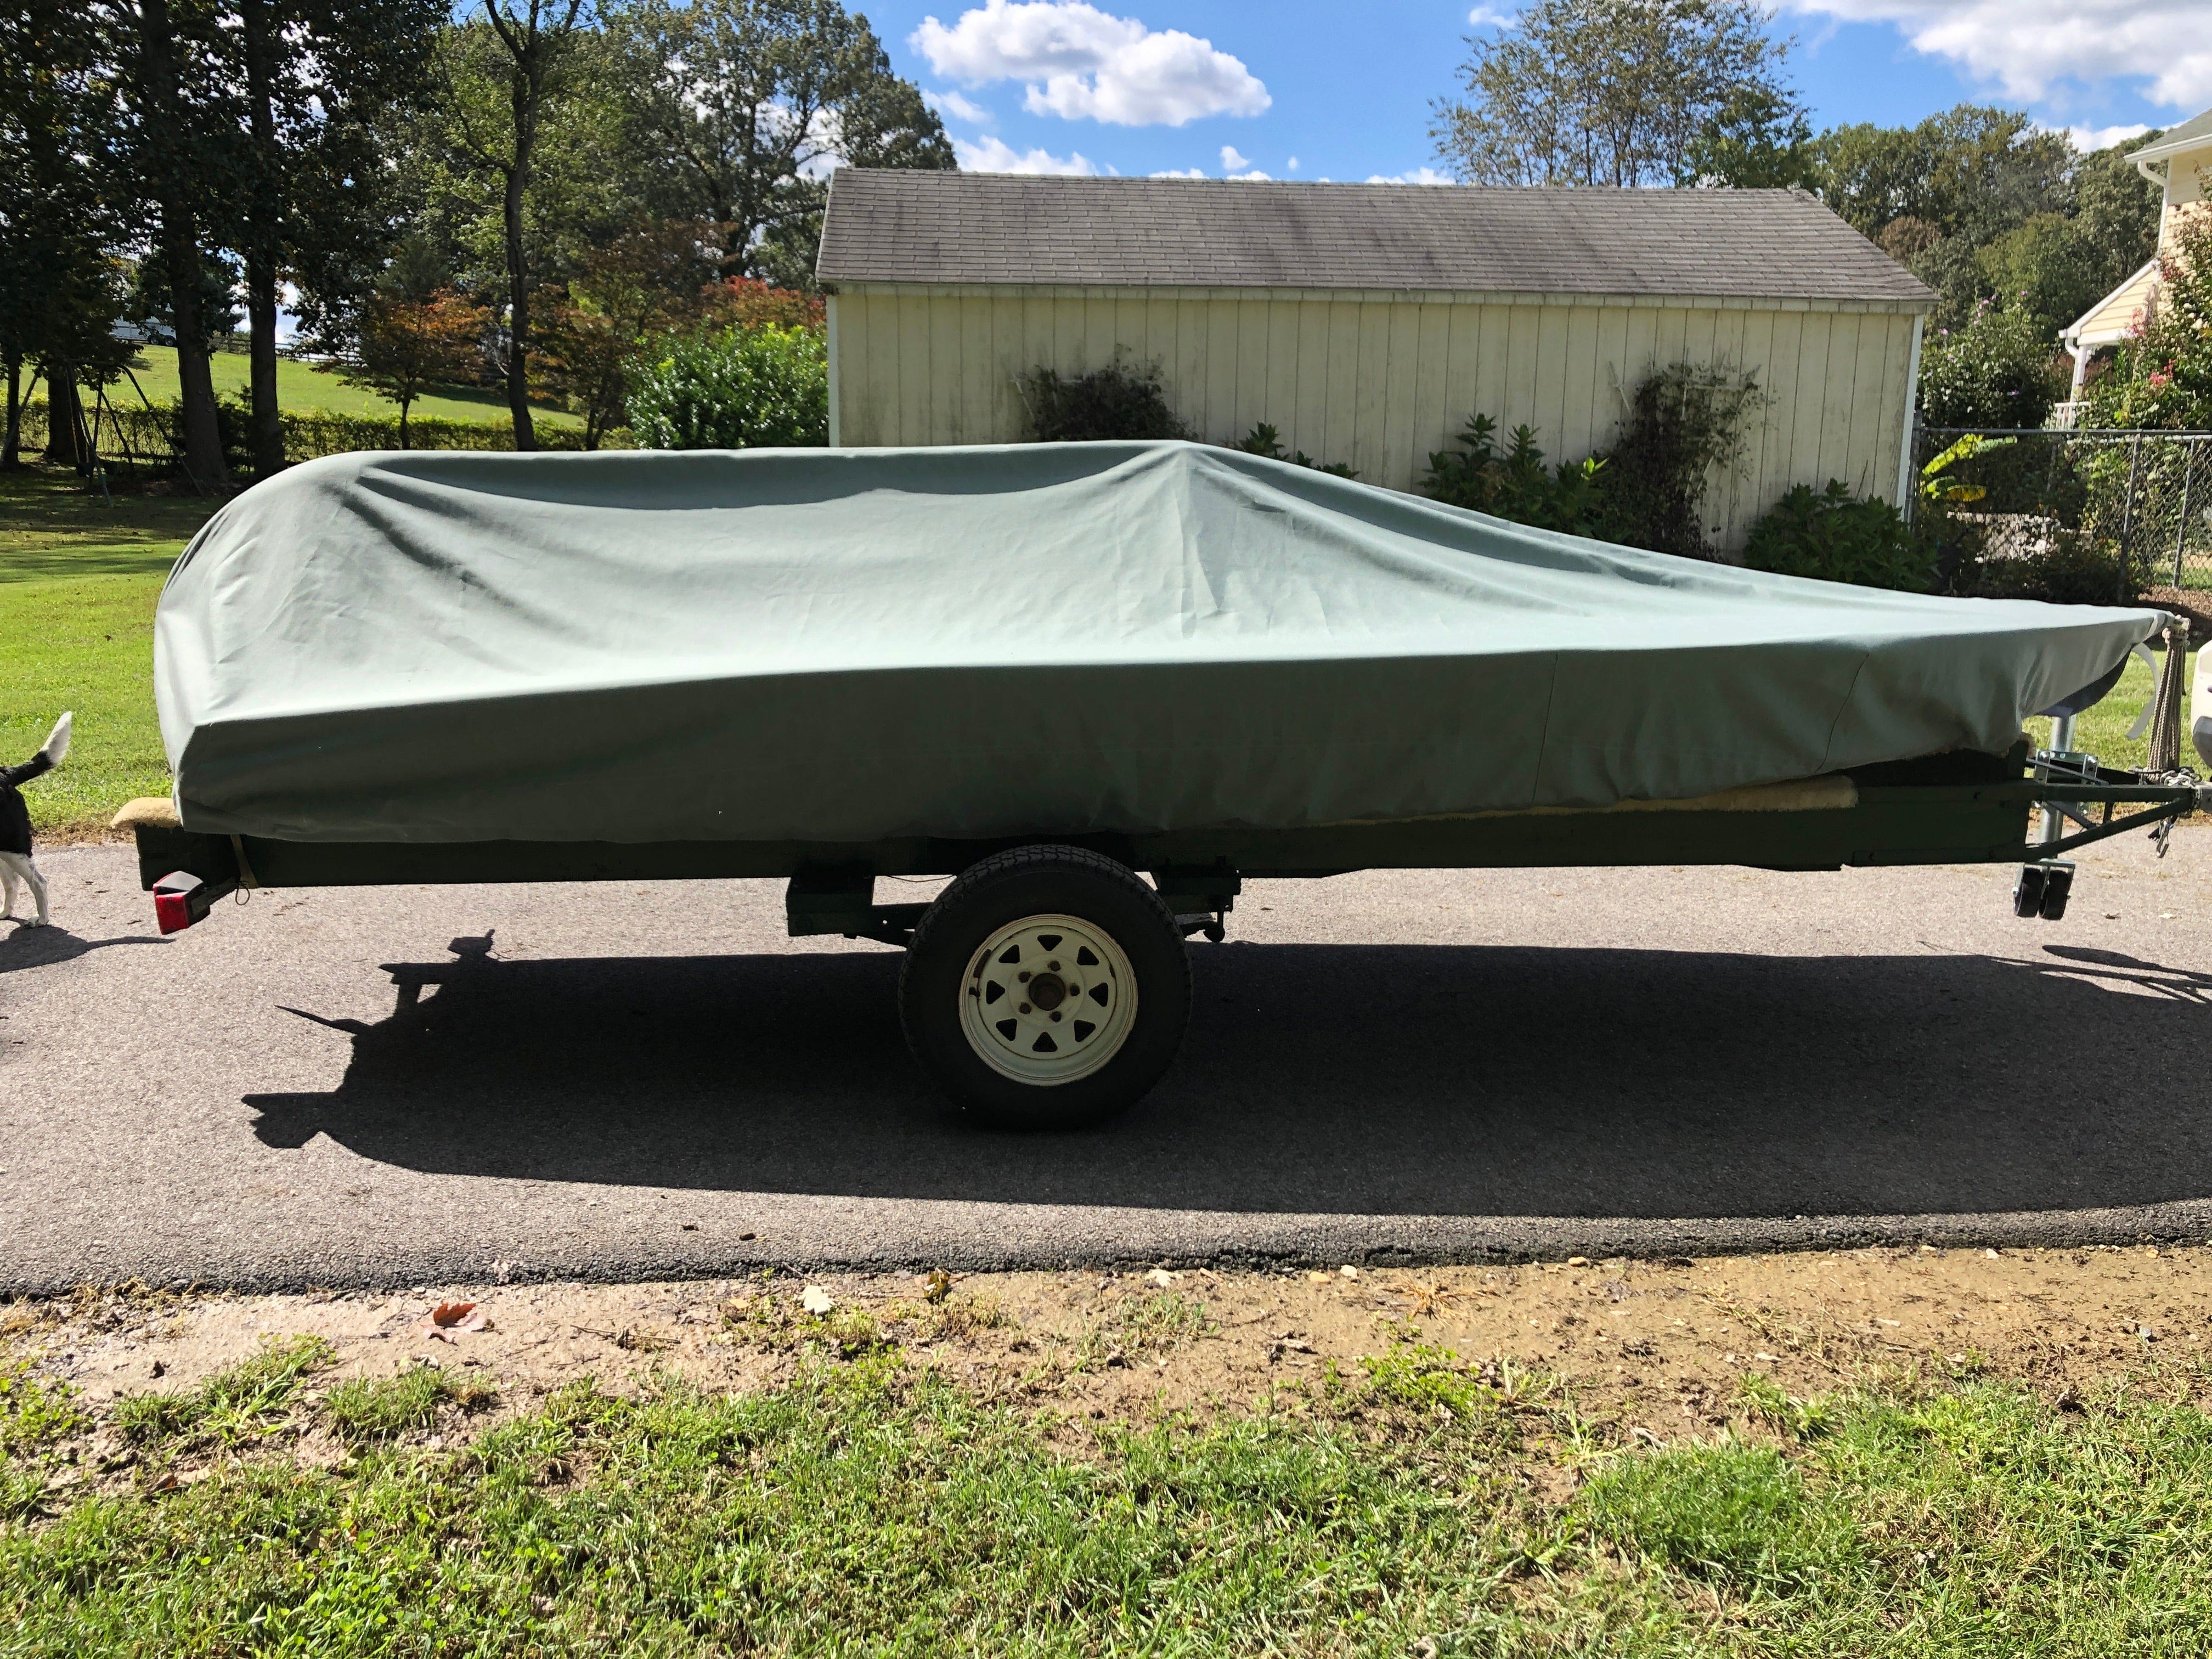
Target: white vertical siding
1382, 381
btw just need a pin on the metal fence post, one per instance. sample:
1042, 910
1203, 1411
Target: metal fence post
1908, 505
2128, 513
2194, 452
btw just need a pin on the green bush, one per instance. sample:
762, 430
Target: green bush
1121, 400
1266, 440
1839, 538
2074, 568
1995, 371
1684, 422
1515, 483
152, 435
760, 388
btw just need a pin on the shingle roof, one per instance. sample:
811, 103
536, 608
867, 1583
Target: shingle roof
2196, 130
974, 227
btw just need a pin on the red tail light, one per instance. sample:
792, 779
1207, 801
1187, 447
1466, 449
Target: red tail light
174, 907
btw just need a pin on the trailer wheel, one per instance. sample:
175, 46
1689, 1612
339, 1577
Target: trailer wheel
1046, 988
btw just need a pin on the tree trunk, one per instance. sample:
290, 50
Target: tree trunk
525, 90
11, 439
62, 421
264, 229
518, 317
179, 247
404, 403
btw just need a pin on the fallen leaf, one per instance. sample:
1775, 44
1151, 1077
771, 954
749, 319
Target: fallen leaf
1349, 1271
1317, 1278
1578, 1262
816, 1300
460, 1316
1161, 1277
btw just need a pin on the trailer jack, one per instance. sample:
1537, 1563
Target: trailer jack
2043, 889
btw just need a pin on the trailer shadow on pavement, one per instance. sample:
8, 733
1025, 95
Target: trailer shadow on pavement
1382, 1079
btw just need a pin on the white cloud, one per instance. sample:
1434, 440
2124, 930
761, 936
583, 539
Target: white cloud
2028, 46
989, 154
1254, 176
1182, 172
2088, 138
1078, 62
1484, 17
1416, 176
1294, 164
964, 109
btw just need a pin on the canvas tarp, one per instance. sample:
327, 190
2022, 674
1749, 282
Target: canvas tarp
846, 646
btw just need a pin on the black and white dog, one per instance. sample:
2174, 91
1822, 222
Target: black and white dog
15, 825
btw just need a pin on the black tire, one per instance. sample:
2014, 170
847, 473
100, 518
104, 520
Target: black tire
2058, 888
944, 965
2027, 892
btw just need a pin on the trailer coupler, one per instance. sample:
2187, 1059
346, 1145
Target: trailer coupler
181, 899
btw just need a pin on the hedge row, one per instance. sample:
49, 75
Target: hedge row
153, 433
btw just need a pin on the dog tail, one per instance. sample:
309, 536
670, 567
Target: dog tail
57, 740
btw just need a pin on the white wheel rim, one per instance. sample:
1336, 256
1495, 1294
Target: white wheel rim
1048, 999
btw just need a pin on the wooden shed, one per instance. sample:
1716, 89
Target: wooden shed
1367, 322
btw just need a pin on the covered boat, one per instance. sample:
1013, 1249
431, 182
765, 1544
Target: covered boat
1041, 640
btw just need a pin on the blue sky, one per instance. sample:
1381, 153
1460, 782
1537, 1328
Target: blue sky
1311, 88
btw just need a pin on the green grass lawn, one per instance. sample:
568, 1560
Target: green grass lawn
2103, 731
78, 579
304, 386
1406, 1506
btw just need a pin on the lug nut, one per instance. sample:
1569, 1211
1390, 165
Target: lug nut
1024, 1009
1023, 977
1055, 1016
1051, 966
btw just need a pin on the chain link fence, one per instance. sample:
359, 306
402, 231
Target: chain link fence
2088, 515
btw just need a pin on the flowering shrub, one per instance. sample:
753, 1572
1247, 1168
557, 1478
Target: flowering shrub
2163, 379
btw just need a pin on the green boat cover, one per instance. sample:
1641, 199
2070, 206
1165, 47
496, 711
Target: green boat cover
849, 646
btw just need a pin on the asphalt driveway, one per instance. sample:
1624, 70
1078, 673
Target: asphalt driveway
652, 1081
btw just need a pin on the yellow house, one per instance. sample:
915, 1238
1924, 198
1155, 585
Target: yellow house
2180, 162
1367, 323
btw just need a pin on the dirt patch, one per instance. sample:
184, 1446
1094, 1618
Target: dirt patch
1660, 1345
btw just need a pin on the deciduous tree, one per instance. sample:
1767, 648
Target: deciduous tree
179, 137
320, 81
743, 107
500, 76
60, 287
650, 279
1607, 92
403, 347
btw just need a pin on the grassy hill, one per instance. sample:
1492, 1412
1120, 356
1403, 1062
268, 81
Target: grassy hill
304, 386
